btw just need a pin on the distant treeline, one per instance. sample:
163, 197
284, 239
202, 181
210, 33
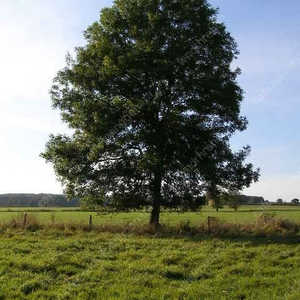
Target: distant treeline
51, 200
36, 200
251, 199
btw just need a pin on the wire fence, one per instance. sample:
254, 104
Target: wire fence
77, 216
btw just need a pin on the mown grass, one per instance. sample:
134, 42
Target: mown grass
66, 264
246, 213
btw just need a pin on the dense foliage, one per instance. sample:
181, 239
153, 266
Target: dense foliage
153, 102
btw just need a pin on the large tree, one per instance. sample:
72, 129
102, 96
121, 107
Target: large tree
153, 102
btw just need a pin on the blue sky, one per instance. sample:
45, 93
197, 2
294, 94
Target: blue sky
36, 35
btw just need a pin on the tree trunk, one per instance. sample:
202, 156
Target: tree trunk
217, 208
156, 193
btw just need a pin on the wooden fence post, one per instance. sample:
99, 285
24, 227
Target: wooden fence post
24, 220
91, 221
208, 224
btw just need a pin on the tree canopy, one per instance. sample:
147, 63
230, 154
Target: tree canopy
153, 102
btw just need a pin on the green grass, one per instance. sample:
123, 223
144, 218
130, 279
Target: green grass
246, 213
73, 262
79, 265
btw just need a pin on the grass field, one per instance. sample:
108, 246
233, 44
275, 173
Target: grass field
52, 262
80, 265
246, 213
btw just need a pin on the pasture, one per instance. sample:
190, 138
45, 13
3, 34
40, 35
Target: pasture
246, 213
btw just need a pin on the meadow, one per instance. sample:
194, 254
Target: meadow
245, 213
53, 262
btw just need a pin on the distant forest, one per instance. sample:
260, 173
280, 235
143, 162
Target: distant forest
36, 200
51, 200
251, 199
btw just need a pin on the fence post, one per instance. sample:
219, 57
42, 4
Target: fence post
208, 224
91, 221
24, 220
